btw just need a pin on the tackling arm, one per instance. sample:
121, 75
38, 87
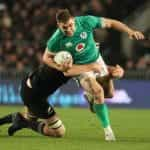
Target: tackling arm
69, 70
79, 69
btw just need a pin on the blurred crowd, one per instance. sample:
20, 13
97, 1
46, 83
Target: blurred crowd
25, 26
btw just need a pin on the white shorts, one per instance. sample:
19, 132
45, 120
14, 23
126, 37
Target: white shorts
103, 72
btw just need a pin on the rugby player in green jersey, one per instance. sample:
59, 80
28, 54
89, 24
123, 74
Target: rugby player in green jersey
75, 35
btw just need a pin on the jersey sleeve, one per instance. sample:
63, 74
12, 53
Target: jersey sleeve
93, 21
52, 43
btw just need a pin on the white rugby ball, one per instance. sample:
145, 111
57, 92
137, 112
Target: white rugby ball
62, 56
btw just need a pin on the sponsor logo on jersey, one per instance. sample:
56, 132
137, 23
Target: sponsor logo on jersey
80, 47
69, 44
83, 35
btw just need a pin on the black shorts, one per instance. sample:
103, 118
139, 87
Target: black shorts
45, 81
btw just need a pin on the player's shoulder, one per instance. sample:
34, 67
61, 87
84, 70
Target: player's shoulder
85, 17
57, 35
88, 21
82, 20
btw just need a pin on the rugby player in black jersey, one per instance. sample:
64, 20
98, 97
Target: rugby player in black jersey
35, 89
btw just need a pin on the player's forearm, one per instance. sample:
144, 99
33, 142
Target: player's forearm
79, 69
120, 26
117, 25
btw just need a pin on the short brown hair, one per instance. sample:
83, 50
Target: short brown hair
63, 15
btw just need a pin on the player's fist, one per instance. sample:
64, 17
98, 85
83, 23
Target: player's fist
116, 72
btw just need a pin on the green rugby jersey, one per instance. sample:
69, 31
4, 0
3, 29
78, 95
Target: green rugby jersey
81, 45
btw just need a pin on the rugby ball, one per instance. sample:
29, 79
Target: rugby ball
62, 56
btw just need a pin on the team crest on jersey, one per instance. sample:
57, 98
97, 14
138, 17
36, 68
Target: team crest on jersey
80, 47
69, 44
83, 35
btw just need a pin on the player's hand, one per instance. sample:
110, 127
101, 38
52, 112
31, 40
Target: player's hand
136, 35
116, 72
66, 66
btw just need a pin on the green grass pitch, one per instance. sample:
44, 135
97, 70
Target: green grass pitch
132, 128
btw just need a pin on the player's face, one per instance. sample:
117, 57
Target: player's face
68, 28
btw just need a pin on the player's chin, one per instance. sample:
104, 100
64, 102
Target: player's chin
69, 33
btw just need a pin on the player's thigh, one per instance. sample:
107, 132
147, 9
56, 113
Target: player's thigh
90, 84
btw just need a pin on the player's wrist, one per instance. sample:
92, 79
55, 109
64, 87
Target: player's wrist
130, 32
110, 76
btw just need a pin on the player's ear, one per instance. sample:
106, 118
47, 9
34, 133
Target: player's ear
57, 24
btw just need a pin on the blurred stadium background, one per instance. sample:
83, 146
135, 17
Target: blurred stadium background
25, 27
